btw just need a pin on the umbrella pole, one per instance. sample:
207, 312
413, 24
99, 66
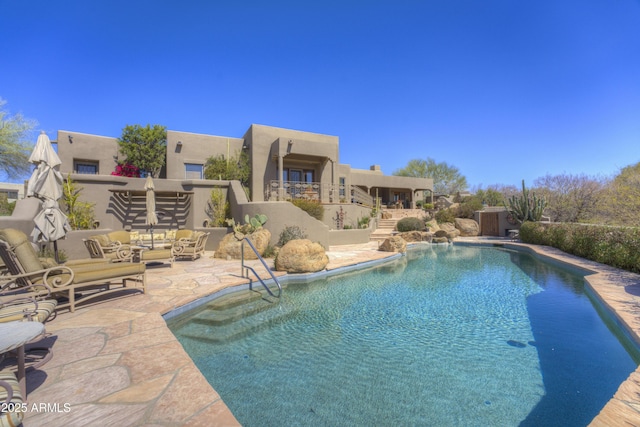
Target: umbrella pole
55, 251
152, 245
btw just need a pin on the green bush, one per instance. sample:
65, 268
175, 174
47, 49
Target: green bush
291, 232
311, 207
410, 224
217, 208
445, 215
468, 206
615, 246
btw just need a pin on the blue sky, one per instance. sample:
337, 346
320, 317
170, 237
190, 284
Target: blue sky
503, 90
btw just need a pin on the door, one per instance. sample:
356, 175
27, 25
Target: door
489, 224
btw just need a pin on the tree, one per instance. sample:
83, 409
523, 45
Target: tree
570, 198
144, 147
446, 178
621, 202
14, 150
235, 168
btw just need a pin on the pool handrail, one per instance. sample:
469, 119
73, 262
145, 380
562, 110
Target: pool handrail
246, 268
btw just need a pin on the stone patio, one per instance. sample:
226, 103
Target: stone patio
115, 362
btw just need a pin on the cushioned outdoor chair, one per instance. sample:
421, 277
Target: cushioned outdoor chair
16, 303
113, 246
191, 247
10, 398
89, 280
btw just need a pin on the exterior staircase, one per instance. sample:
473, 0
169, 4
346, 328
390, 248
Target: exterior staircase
386, 227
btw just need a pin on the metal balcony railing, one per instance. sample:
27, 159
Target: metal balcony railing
323, 193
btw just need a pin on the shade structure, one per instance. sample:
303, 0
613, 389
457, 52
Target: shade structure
45, 183
152, 218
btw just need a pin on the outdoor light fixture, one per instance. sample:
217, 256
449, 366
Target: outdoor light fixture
70, 139
179, 143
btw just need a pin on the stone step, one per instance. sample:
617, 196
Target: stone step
211, 332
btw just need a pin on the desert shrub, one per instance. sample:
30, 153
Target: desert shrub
445, 215
217, 208
291, 232
311, 207
80, 215
410, 224
364, 222
615, 246
6, 207
468, 206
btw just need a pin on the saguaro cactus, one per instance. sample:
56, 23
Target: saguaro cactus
526, 207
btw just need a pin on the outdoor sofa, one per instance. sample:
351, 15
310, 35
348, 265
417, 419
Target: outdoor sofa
86, 280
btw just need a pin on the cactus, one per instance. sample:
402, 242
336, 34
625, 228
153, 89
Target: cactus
526, 207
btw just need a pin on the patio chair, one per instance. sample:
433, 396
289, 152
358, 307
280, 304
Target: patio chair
17, 304
114, 252
114, 246
89, 280
10, 397
192, 247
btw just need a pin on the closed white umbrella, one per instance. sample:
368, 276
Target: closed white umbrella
45, 183
152, 218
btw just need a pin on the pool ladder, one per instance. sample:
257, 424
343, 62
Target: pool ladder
246, 268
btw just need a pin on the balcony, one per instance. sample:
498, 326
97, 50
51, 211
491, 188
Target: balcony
322, 193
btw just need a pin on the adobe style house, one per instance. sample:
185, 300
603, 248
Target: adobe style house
285, 165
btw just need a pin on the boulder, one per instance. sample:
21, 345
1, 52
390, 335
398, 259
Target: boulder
230, 245
467, 227
416, 236
394, 244
440, 240
432, 225
301, 256
450, 229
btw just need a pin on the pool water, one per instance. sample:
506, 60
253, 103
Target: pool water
447, 335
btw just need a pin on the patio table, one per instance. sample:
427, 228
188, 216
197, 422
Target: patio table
14, 336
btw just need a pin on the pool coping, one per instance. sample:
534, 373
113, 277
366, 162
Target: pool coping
116, 362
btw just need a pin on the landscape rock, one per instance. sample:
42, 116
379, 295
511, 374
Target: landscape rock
440, 240
450, 229
394, 244
416, 236
230, 245
301, 256
467, 227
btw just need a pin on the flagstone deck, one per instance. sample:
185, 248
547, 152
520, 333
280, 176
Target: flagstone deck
116, 362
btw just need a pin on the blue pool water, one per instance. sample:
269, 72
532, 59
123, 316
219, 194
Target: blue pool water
447, 335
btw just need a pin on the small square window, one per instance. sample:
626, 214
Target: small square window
193, 171
88, 167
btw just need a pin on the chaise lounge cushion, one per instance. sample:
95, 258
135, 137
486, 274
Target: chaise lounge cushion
22, 248
39, 311
8, 382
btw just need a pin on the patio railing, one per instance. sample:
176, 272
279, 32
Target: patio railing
323, 193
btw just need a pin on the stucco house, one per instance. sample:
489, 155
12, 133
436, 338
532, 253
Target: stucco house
285, 164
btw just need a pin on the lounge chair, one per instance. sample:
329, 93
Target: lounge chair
113, 252
190, 247
114, 246
10, 397
90, 280
17, 304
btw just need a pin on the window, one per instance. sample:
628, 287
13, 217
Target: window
193, 171
10, 194
298, 175
342, 186
88, 167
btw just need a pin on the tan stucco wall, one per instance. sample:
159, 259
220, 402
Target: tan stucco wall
82, 146
266, 143
196, 149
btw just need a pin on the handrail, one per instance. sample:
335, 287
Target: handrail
246, 267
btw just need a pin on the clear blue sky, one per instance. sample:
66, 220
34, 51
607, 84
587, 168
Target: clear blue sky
504, 90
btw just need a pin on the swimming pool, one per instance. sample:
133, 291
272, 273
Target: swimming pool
448, 335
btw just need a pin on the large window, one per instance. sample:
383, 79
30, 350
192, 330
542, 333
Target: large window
298, 175
88, 167
193, 171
